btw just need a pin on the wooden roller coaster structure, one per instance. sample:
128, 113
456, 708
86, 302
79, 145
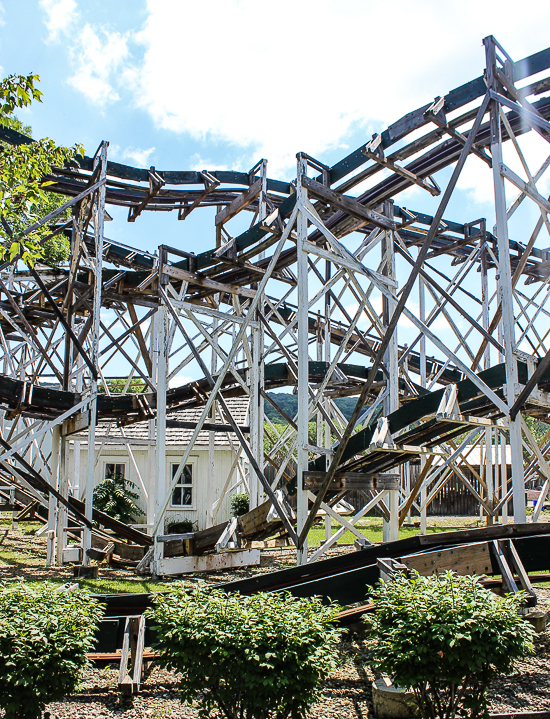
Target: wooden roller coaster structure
310, 294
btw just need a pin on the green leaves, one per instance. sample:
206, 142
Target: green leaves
260, 656
446, 636
239, 504
23, 169
114, 497
45, 633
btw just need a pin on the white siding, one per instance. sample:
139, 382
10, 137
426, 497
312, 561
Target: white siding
198, 513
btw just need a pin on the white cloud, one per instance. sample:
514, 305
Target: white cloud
60, 16
477, 177
98, 54
139, 156
179, 381
317, 73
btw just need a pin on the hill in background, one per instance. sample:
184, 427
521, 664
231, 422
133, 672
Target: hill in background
289, 403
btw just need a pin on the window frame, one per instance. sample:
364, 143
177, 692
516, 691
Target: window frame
192, 463
107, 462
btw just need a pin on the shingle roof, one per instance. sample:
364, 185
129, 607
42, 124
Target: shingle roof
238, 406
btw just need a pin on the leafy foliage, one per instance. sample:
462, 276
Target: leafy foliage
446, 636
258, 656
240, 504
116, 385
114, 497
45, 634
23, 200
181, 527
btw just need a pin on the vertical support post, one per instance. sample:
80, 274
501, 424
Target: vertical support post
63, 489
506, 290
160, 446
503, 477
151, 434
422, 311
391, 401
303, 360
257, 370
489, 479
52, 503
211, 442
99, 218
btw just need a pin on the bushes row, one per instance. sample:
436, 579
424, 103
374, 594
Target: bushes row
264, 656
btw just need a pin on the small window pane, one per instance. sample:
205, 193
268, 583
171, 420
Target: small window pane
112, 469
176, 496
186, 496
182, 496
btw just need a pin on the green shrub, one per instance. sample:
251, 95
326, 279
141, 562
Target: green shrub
45, 634
114, 497
446, 637
182, 527
259, 656
240, 504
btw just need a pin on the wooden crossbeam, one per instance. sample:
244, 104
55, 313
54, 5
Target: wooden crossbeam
239, 203
347, 204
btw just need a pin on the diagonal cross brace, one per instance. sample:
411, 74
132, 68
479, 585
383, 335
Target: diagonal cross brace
395, 318
234, 426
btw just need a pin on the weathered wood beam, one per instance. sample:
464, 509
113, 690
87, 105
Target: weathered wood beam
239, 203
347, 204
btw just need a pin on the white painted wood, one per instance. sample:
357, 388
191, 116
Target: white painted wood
205, 563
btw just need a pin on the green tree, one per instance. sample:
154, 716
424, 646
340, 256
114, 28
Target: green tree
23, 197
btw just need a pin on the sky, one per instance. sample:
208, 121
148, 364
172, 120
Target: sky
181, 85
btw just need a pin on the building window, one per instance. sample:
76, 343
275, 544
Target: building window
112, 469
182, 496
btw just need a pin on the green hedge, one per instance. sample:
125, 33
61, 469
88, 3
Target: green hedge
259, 656
45, 633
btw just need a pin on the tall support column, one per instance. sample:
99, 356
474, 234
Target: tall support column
422, 311
63, 488
52, 504
391, 401
151, 434
303, 359
160, 446
506, 293
256, 411
211, 442
489, 479
99, 218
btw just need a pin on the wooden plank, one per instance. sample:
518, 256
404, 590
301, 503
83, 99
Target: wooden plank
239, 203
347, 204
138, 655
467, 559
207, 538
195, 279
207, 562
124, 680
255, 518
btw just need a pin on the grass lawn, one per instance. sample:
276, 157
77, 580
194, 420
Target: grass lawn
372, 529
22, 555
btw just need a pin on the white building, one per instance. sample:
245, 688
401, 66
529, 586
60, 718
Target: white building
215, 470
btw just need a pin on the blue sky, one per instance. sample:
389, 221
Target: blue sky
182, 85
